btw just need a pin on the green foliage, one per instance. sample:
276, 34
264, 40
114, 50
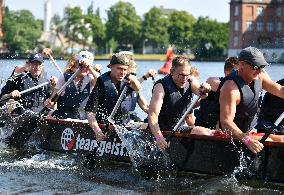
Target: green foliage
98, 28
123, 28
155, 28
77, 30
112, 44
123, 24
21, 31
180, 29
210, 33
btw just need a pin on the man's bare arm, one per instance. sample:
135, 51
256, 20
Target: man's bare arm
271, 86
230, 97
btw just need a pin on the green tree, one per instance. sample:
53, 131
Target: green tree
210, 38
98, 28
21, 31
123, 24
180, 29
155, 28
78, 27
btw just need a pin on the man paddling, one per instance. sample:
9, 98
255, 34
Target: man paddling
106, 92
205, 114
171, 96
33, 77
76, 94
33, 100
239, 95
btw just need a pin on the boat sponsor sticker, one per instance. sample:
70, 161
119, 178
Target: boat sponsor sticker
71, 140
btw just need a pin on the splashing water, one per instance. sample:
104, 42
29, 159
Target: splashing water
143, 152
11, 123
244, 170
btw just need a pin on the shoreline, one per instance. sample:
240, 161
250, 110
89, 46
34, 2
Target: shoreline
137, 57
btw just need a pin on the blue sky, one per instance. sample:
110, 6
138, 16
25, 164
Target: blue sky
215, 9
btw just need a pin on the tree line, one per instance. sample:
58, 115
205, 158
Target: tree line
123, 30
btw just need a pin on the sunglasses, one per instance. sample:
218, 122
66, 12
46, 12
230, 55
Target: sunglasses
182, 76
255, 67
132, 73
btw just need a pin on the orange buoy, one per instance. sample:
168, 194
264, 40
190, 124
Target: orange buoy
168, 65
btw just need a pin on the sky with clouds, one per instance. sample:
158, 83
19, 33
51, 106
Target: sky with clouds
215, 9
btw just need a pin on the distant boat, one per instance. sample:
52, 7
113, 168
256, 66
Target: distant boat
168, 65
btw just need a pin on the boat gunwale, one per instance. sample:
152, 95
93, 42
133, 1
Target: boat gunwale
82, 123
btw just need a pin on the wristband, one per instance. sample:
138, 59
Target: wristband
159, 137
246, 140
144, 77
97, 130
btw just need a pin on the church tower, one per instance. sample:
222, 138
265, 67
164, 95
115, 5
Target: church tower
47, 16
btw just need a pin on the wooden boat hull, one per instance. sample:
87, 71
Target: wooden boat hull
199, 154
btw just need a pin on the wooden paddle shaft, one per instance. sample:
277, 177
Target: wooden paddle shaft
280, 118
276, 123
8, 96
110, 118
195, 100
56, 65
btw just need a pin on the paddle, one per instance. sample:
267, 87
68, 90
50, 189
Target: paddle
55, 64
272, 128
90, 159
110, 118
150, 159
8, 96
153, 79
254, 163
59, 92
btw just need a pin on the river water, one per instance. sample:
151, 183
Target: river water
42, 172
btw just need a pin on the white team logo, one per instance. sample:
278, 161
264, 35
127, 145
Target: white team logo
66, 137
37, 56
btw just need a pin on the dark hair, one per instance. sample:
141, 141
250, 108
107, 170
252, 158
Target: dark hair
180, 60
231, 63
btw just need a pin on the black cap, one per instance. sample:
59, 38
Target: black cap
253, 56
120, 59
36, 57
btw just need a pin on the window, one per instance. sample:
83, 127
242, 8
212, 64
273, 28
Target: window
236, 25
259, 26
269, 26
236, 13
248, 25
259, 11
235, 41
279, 27
278, 11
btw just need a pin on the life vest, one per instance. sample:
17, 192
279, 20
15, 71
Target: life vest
73, 97
272, 107
174, 103
206, 115
33, 100
111, 96
247, 109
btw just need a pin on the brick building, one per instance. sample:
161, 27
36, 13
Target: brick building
258, 23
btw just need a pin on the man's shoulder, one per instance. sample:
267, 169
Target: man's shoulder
229, 85
99, 83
